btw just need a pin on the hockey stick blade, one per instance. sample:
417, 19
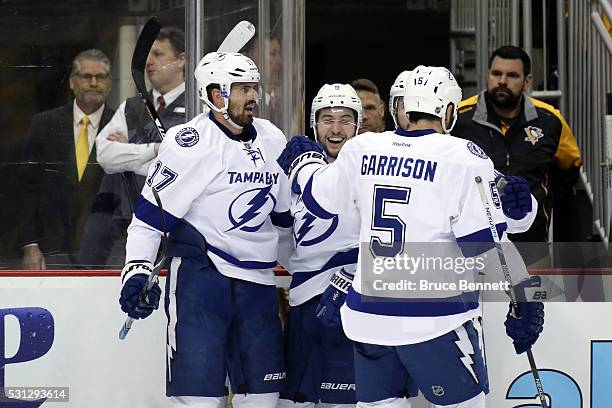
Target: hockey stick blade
508, 278
238, 37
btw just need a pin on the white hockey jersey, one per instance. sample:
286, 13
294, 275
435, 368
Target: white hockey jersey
514, 226
231, 192
322, 247
414, 187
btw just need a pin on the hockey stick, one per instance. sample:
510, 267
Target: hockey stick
139, 58
233, 42
127, 325
508, 279
238, 37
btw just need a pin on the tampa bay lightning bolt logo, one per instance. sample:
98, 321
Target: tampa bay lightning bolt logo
187, 137
249, 211
476, 150
315, 229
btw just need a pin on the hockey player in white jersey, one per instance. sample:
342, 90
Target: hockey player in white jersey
519, 205
222, 193
319, 356
437, 202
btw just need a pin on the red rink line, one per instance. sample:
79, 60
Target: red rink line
85, 272
277, 272
570, 271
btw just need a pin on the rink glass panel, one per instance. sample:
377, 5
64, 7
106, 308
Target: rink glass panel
39, 42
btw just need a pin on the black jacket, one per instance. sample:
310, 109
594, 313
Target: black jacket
538, 146
55, 203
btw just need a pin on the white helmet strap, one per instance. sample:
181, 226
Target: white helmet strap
443, 119
223, 111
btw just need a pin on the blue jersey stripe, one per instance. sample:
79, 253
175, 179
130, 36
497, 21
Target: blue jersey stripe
479, 242
414, 133
412, 307
283, 220
339, 259
243, 264
150, 214
312, 205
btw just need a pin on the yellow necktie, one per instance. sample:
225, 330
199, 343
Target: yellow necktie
82, 147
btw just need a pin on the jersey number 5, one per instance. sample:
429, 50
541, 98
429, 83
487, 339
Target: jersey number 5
388, 224
169, 176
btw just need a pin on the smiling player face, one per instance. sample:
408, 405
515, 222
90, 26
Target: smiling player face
334, 127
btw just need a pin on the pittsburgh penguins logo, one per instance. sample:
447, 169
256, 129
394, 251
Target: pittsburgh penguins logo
534, 134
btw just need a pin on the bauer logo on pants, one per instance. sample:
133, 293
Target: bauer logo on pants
275, 376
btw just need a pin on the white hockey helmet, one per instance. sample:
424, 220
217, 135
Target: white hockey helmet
397, 90
224, 69
431, 90
335, 96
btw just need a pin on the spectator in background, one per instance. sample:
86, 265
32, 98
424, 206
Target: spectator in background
522, 135
62, 175
118, 151
271, 99
373, 106
272, 81
129, 144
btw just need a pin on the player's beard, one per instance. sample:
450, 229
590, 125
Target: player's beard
240, 115
503, 98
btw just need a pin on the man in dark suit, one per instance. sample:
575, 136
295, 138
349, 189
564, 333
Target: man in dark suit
62, 176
